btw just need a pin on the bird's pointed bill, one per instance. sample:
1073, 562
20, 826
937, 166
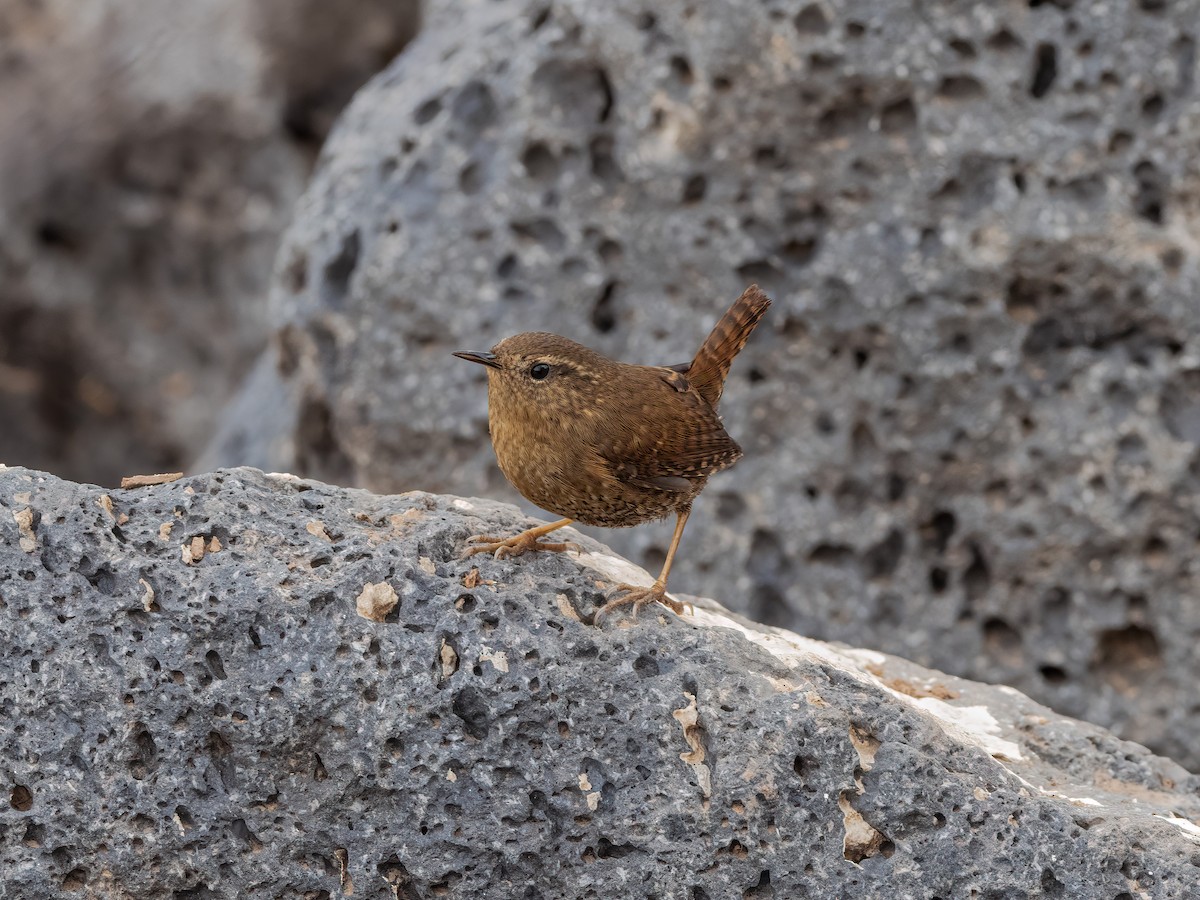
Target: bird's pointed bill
483, 357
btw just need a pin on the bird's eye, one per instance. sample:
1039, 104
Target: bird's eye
539, 371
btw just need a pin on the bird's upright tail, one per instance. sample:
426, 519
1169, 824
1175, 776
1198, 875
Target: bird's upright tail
711, 365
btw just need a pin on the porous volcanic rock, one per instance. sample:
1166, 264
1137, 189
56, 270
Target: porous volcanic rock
150, 159
971, 420
242, 684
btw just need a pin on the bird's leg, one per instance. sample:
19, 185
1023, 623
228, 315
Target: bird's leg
627, 594
520, 543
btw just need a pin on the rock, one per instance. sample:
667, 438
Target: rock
970, 420
151, 158
222, 722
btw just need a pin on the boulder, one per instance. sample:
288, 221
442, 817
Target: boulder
972, 419
245, 684
152, 154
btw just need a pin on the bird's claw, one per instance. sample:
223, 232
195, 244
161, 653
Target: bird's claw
633, 595
502, 548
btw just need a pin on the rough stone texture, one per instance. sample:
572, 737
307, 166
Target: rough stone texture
194, 708
971, 421
151, 156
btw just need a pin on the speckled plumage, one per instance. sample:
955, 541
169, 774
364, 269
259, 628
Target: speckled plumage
608, 443
611, 444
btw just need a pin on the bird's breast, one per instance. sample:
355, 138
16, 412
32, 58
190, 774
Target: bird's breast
554, 461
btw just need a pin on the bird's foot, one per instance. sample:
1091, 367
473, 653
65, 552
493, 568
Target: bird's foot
524, 542
637, 597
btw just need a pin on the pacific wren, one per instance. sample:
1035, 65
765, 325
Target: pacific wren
607, 443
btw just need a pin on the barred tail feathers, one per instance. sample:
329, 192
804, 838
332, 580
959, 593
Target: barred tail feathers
710, 367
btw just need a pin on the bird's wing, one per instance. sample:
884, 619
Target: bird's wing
689, 442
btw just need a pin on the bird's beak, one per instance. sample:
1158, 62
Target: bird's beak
483, 357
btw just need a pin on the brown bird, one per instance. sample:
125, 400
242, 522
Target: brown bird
607, 443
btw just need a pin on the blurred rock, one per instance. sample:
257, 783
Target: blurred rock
151, 156
198, 709
970, 421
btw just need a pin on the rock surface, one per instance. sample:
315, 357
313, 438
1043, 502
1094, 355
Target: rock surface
972, 418
151, 156
240, 684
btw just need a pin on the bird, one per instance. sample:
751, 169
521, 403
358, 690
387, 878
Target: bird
608, 443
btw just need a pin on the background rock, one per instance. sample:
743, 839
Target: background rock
971, 419
195, 706
150, 160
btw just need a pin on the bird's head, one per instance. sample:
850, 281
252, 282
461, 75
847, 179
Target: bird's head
545, 373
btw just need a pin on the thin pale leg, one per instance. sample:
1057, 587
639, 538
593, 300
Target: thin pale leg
657, 593
521, 543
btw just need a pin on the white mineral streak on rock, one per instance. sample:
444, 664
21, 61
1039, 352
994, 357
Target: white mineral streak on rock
972, 724
1187, 826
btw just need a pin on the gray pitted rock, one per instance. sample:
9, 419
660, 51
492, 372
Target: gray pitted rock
240, 684
971, 420
150, 160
